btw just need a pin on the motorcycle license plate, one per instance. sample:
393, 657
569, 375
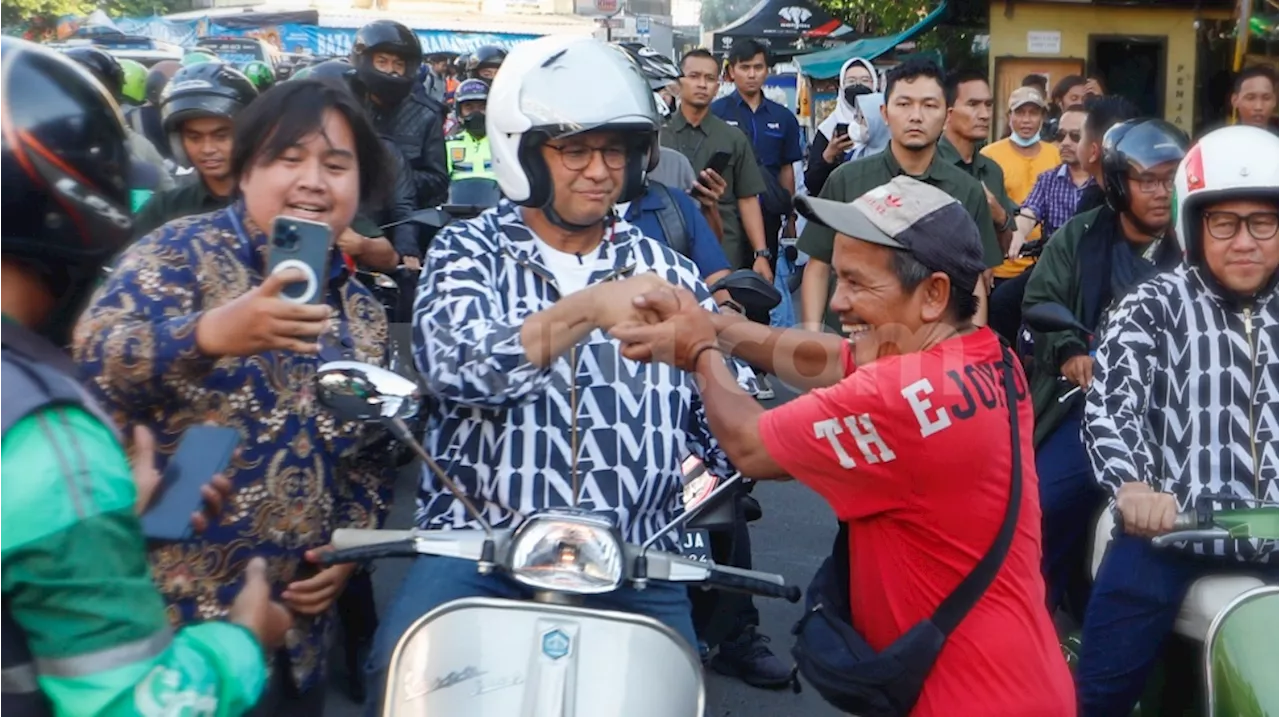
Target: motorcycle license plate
697, 545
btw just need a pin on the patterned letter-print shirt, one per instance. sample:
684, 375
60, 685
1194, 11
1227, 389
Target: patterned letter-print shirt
503, 428
299, 474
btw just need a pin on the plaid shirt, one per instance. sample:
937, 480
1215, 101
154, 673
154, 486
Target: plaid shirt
1054, 198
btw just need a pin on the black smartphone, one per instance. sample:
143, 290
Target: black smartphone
842, 129
719, 162
203, 451
301, 244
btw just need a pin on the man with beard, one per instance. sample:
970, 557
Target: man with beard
197, 109
1093, 261
386, 56
915, 110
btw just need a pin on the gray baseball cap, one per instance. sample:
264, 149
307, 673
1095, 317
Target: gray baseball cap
908, 215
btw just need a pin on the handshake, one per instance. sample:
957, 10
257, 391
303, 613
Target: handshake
654, 320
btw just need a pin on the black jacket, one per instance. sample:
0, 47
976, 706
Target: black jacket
401, 204
416, 125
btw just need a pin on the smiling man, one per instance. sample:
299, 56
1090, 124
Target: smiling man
533, 406
915, 109
197, 110
906, 436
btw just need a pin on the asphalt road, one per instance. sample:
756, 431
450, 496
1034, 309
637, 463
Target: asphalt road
791, 539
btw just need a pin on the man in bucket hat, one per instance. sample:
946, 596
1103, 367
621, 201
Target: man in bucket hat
905, 435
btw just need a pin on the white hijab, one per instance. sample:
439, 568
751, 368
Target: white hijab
844, 112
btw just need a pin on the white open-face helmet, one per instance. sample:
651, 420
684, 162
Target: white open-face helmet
556, 87
1237, 162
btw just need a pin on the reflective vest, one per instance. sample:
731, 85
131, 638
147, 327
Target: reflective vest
469, 157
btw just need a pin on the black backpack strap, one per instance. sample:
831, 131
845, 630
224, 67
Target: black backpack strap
966, 595
671, 219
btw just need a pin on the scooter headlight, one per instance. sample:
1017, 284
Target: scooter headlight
567, 553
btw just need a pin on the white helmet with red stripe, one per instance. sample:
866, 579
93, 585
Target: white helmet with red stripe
1238, 162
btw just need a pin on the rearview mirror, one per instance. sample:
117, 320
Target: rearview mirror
356, 391
1050, 317
749, 289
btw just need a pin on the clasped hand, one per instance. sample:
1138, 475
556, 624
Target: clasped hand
680, 333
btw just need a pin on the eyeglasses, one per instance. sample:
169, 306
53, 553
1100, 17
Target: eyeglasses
1073, 134
1148, 184
577, 157
1225, 225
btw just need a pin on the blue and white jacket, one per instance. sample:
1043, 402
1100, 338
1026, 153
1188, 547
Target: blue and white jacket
504, 428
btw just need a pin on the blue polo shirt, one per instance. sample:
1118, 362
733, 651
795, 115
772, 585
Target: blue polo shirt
703, 244
774, 132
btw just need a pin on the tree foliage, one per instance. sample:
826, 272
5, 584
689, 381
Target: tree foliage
718, 13
876, 18
40, 14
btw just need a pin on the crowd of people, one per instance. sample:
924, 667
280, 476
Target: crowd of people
138, 303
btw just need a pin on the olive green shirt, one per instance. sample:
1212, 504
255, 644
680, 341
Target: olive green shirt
742, 175
982, 168
853, 179
188, 198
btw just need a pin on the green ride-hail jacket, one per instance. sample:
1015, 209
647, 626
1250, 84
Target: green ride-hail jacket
77, 583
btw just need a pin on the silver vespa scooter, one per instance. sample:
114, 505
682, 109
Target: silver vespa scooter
550, 657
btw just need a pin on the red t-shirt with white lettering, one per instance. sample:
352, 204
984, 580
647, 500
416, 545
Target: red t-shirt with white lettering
914, 453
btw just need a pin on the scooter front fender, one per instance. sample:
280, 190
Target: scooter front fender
483, 657
1242, 657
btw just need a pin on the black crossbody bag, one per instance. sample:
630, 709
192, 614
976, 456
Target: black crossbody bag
834, 658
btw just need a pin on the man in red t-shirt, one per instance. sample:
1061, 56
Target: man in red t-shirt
907, 436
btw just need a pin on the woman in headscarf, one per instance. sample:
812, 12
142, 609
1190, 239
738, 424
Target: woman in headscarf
831, 148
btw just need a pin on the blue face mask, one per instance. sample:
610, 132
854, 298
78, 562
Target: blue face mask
1029, 142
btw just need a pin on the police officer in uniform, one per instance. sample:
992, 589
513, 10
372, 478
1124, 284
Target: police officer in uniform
467, 149
84, 629
197, 109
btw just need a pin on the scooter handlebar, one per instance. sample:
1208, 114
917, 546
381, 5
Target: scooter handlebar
746, 581
363, 553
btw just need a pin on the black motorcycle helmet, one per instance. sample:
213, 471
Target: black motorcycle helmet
207, 89
1137, 145
460, 65
391, 37
104, 68
65, 171
158, 78
336, 70
488, 56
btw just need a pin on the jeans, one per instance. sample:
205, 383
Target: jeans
433, 581
1070, 500
1135, 601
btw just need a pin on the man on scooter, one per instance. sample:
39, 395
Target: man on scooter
386, 55
533, 407
1183, 404
197, 110
1091, 262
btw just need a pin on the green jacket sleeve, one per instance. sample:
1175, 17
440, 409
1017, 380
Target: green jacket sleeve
1053, 280
75, 578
